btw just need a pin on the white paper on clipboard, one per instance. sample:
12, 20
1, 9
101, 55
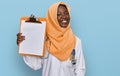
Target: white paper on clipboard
34, 38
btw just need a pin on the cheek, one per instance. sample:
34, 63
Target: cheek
68, 17
58, 19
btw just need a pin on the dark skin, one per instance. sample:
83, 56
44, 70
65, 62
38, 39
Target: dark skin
63, 18
20, 38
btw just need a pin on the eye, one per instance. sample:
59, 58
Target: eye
58, 14
66, 13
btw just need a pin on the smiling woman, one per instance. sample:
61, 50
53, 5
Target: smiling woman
63, 16
64, 56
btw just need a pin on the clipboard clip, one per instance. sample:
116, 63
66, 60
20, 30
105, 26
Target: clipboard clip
33, 19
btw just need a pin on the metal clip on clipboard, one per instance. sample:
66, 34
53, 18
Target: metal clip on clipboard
34, 43
33, 19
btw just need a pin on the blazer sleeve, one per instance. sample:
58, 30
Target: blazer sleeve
33, 62
80, 62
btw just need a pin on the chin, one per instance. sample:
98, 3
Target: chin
64, 26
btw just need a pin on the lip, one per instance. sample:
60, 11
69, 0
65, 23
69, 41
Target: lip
64, 22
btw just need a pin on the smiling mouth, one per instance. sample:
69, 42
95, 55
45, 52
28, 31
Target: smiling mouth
65, 21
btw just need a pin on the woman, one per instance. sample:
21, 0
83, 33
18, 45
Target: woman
64, 55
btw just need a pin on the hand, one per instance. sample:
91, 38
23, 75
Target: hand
20, 38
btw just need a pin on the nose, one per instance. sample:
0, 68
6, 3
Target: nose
63, 16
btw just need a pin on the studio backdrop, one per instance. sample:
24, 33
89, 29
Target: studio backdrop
95, 22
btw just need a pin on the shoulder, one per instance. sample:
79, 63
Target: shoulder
78, 43
78, 40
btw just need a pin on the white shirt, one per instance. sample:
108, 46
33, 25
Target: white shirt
54, 67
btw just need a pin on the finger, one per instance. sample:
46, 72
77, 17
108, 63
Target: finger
19, 34
18, 42
20, 39
23, 37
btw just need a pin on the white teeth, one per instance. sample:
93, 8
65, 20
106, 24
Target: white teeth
64, 21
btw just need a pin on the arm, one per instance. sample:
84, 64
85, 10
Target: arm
33, 62
80, 62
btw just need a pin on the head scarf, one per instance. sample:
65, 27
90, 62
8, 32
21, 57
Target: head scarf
61, 41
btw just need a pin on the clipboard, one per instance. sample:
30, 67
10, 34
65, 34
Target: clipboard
34, 43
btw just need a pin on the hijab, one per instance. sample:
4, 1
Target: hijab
61, 41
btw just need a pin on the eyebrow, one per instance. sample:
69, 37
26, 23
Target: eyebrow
63, 5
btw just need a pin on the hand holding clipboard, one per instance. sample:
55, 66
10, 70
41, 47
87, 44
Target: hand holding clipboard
31, 39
